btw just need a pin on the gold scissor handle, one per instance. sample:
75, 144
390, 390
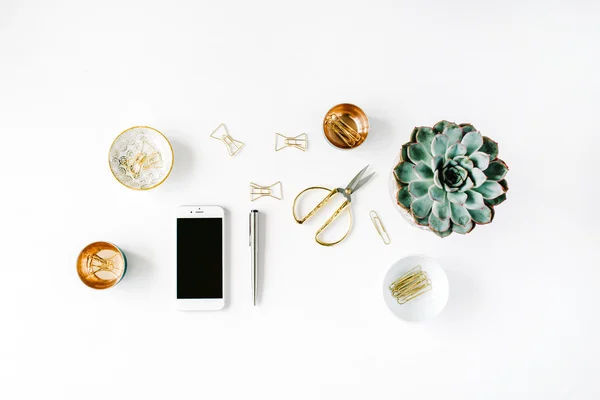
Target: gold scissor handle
317, 208
345, 205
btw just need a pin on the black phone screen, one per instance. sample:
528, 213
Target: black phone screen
199, 258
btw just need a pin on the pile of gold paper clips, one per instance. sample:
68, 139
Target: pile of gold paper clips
410, 285
348, 134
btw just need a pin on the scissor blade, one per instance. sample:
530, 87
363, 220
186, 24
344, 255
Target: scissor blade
356, 178
363, 181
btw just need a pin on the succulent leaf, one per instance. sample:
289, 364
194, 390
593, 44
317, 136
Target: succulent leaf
450, 163
498, 200
467, 185
436, 179
450, 189
456, 150
459, 214
472, 141
405, 172
457, 197
437, 194
422, 221
465, 162
420, 188
438, 225
421, 207
480, 160
504, 185
404, 198
490, 189
467, 128
441, 210
474, 200
439, 145
463, 229
413, 135
437, 162
440, 126
425, 135
454, 133
417, 152
483, 215
489, 147
496, 171
404, 152
443, 234
478, 177
424, 170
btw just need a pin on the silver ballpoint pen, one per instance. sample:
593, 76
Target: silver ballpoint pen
253, 241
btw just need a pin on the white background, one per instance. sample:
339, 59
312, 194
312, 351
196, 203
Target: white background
522, 321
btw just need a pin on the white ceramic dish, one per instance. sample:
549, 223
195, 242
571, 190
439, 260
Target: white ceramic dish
428, 305
141, 158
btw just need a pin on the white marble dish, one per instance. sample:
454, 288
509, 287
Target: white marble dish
141, 158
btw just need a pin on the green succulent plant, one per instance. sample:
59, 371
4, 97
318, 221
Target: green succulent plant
450, 178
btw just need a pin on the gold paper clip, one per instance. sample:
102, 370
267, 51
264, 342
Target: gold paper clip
233, 146
410, 285
348, 134
257, 191
379, 227
300, 142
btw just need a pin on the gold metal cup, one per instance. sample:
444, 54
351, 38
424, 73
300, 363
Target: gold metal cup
345, 126
101, 265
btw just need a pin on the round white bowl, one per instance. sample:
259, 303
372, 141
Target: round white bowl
429, 304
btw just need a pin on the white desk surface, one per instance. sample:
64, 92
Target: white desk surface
522, 321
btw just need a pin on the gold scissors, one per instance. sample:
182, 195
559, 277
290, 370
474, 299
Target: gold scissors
355, 184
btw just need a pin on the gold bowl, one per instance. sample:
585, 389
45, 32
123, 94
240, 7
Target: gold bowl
101, 265
346, 126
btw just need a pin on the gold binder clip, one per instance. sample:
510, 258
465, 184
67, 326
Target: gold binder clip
300, 142
233, 146
257, 191
379, 227
345, 132
410, 285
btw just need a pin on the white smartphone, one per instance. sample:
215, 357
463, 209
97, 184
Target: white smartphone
200, 258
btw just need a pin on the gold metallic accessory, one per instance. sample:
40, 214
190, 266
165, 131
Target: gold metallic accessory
410, 285
141, 158
101, 265
379, 227
300, 142
233, 146
355, 184
258, 191
346, 126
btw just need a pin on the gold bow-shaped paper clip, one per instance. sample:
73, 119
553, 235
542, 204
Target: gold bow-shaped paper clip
258, 191
300, 142
233, 146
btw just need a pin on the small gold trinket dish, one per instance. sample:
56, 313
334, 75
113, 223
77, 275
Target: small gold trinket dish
345, 126
141, 158
101, 265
